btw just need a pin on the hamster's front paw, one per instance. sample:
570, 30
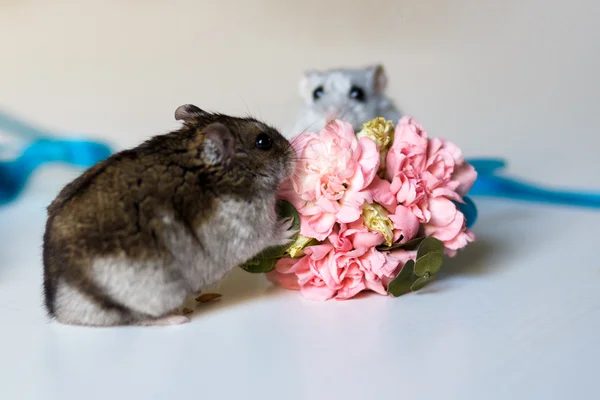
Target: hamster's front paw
284, 233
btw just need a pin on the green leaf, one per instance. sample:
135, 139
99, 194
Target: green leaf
430, 245
421, 282
429, 263
415, 275
272, 252
265, 261
430, 256
260, 266
402, 283
410, 245
287, 209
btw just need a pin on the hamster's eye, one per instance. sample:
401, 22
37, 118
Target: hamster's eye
263, 142
318, 93
357, 93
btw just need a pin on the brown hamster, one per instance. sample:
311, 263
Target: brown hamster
130, 239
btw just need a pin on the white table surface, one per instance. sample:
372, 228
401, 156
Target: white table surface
515, 316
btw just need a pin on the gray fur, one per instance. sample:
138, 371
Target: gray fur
74, 307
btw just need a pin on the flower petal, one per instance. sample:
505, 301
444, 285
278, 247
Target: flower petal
466, 176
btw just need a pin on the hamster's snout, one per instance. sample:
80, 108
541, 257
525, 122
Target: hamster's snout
332, 115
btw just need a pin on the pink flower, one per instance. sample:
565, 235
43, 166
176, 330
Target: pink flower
406, 162
425, 175
418, 167
325, 273
465, 175
333, 170
355, 235
405, 224
304, 274
351, 210
382, 194
446, 171
447, 224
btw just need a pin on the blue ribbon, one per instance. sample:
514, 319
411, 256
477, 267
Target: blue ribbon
43, 149
490, 183
469, 210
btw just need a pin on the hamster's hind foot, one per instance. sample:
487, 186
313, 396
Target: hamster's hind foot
173, 319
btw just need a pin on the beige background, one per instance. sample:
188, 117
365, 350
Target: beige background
510, 78
516, 316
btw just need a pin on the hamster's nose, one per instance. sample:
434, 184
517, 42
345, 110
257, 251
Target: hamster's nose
331, 116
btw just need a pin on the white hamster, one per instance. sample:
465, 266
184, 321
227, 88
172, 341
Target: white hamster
353, 95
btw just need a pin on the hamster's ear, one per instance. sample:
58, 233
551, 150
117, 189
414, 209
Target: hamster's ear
218, 145
379, 77
189, 112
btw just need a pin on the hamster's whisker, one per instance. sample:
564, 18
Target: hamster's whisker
246, 105
259, 113
254, 173
306, 129
304, 158
294, 141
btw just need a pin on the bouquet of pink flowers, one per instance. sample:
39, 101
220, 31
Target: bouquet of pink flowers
376, 210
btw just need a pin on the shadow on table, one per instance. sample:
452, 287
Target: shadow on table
238, 287
498, 239
474, 260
